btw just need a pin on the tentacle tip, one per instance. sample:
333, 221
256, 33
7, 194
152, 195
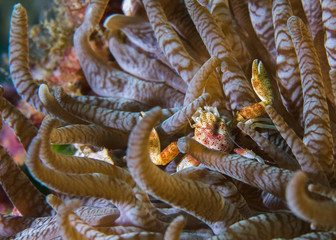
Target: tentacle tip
311, 187
50, 197
43, 88
155, 111
19, 11
299, 176
298, 180
18, 7
180, 219
111, 22
294, 24
291, 20
182, 144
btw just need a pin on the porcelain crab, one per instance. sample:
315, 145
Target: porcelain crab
212, 129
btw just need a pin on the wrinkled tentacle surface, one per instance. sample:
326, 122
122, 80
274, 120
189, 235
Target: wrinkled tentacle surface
179, 55
19, 58
288, 72
305, 207
216, 209
317, 136
245, 170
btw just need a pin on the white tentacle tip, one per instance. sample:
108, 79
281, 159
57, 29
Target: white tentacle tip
17, 7
182, 144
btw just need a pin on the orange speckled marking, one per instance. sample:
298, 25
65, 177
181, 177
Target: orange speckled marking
251, 111
211, 131
170, 152
158, 157
261, 83
262, 86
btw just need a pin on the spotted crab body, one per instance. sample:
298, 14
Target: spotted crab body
211, 130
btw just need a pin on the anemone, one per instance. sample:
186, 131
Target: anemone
150, 70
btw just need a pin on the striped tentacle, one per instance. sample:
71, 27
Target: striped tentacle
19, 59
267, 178
317, 136
235, 86
260, 14
191, 196
288, 72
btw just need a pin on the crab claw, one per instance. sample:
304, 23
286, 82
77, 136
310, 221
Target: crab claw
261, 83
158, 157
248, 154
262, 87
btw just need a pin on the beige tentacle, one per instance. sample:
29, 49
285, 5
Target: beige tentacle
317, 135
29, 201
198, 82
266, 226
24, 130
143, 65
283, 159
220, 10
267, 178
72, 164
105, 79
180, 119
287, 66
19, 59
54, 108
235, 85
260, 14
89, 134
169, 41
120, 193
115, 103
175, 228
204, 203
321, 212
306, 159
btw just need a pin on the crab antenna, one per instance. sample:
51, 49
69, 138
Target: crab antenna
189, 122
